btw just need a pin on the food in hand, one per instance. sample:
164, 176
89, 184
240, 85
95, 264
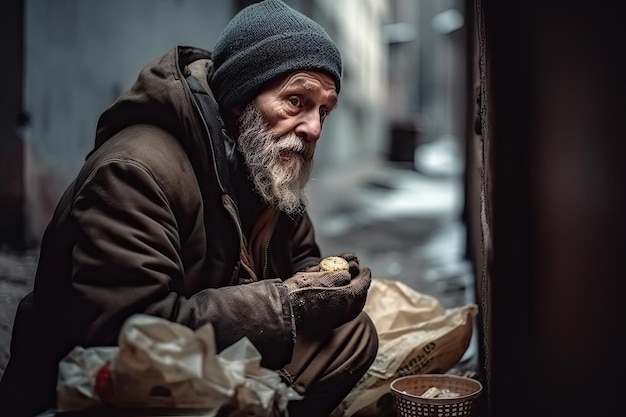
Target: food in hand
334, 263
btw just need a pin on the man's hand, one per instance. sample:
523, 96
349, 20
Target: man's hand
322, 300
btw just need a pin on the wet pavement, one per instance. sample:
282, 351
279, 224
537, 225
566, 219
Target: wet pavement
403, 224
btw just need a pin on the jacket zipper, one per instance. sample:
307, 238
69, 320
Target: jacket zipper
229, 205
206, 130
266, 256
227, 201
266, 248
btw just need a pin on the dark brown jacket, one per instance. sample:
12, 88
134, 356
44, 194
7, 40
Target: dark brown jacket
152, 224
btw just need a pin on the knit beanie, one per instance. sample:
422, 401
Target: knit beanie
263, 42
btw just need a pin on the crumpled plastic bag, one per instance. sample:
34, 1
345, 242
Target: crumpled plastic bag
161, 364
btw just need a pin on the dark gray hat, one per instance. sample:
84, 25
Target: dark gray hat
263, 42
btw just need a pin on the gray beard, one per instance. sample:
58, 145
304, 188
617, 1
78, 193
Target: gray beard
279, 167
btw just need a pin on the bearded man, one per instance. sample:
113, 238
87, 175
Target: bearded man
191, 207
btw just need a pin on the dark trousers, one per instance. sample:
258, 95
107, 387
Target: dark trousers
325, 369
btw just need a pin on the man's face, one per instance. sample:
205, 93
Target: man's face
278, 132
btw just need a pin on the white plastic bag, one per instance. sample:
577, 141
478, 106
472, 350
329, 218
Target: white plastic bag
161, 364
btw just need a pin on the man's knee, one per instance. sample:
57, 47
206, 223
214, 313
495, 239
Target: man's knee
327, 373
365, 330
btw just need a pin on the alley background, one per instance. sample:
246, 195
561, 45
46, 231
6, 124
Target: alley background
388, 182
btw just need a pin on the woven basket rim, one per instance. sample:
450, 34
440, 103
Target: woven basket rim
455, 400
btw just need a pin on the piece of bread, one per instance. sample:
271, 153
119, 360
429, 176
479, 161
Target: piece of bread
334, 263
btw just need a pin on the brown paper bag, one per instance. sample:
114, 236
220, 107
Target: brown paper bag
416, 335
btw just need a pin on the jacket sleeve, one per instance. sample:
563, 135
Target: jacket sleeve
127, 260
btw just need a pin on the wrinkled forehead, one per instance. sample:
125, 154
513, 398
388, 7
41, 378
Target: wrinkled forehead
311, 82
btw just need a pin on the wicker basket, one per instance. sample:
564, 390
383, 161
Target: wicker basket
407, 393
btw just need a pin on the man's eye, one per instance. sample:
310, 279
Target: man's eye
295, 101
323, 114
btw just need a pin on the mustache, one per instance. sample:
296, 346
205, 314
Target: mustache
291, 142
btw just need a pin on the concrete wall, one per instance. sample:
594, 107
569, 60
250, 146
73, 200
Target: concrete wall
80, 55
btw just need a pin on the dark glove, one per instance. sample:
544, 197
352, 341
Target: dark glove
323, 300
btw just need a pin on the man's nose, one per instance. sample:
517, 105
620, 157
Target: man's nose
309, 127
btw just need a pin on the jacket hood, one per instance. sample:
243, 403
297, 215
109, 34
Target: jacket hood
158, 97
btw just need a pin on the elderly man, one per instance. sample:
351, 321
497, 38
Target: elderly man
191, 207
